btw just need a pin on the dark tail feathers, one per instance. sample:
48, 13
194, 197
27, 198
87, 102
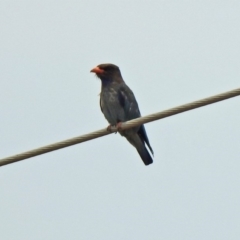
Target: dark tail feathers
138, 143
144, 154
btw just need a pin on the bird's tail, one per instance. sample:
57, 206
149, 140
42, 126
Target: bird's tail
144, 154
137, 142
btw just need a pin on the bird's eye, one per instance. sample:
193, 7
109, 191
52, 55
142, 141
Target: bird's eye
107, 68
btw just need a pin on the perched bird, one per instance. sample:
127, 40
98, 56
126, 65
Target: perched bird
118, 104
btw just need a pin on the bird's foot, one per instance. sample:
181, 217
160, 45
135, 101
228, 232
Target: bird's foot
115, 128
110, 129
119, 126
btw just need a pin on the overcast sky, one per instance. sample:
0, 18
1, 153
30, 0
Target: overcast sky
170, 53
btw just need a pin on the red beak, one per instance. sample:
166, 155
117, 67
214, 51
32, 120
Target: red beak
97, 70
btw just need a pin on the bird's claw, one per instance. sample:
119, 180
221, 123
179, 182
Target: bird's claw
118, 127
109, 128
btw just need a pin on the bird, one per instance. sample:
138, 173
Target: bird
118, 104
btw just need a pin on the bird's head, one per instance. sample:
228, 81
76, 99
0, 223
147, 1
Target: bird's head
108, 72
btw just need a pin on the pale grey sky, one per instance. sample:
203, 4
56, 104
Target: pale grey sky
170, 53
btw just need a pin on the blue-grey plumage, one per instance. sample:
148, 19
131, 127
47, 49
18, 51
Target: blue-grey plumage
118, 104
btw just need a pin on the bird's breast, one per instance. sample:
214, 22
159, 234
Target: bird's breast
109, 95
111, 107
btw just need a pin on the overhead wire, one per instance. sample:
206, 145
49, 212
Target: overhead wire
124, 126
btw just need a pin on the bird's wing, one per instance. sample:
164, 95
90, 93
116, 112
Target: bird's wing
128, 102
100, 103
143, 135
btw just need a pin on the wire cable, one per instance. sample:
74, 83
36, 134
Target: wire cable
125, 125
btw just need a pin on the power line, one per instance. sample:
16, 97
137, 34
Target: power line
126, 125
